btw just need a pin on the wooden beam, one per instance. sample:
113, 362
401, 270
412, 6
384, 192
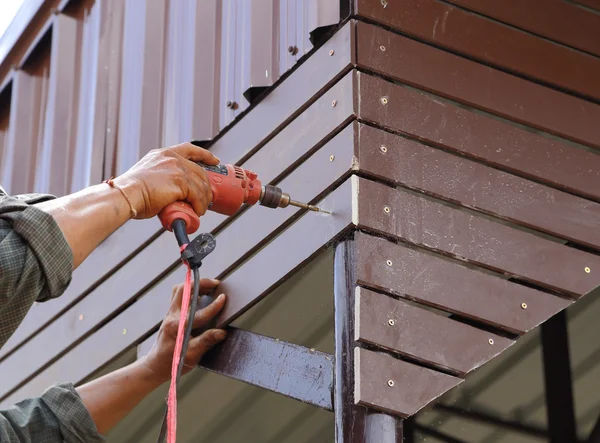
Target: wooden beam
558, 381
477, 85
291, 370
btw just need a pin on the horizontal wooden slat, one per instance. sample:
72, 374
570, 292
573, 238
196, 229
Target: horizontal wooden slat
233, 244
438, 282
285, 368
480, 136
474, 84
427, 337
234, 147
462, 235
593, 4
413, 386
453, 28
437, 173
245, 287
556, 20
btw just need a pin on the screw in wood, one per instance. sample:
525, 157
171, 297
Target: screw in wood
124, 332
391, 383
587, 270
384, 3
391, 322
386, 209
331, 52
383, 149
293, 50
389, 263
333, 103
491, 341
382, 48
384, 100
331, 158
524, 305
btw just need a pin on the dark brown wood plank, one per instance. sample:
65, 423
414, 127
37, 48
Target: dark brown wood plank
233, 245
245, 287
285, 368
459, 234
409, 163
556, 20
593, 4
429, 338
490, 42
476, 85
438, 282
412, 387
479, 136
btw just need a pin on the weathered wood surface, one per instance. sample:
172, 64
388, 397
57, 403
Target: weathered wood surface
457, 233
409, 163
246, 286
452, 287
285, 368
413, 387
429, 338
474, 84
556, 20
453, 28
479, 136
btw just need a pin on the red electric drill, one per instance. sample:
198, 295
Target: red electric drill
231, 187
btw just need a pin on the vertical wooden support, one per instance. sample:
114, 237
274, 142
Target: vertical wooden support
353, 423
558, 380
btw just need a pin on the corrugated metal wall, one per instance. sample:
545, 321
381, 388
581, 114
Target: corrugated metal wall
114, 79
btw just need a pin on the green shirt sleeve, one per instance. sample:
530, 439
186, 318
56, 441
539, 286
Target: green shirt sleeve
57, 416
36, 262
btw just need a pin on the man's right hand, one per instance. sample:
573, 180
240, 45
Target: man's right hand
165, 176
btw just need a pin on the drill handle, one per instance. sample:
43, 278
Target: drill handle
179, 211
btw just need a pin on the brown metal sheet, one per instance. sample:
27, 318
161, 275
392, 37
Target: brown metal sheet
429, 338
245, 287
233, 245
459, 234
294, 371
447, 285
56, 151
474, 84
431, 171
557, 20
479, 136
269, 162
413, 387
461, 31
140, 113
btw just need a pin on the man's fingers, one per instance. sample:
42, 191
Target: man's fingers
198, 346
177, 295
199, 193
207, 285
205, 315
195, 153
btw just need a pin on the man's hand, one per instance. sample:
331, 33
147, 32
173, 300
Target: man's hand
160, 357
165, 176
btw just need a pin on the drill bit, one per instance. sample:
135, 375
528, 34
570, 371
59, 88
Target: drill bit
309, 207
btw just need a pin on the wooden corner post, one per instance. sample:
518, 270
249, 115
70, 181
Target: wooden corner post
353, 423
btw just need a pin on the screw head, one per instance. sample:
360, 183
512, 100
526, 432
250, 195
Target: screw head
382, 48
384, 3
124, 332
80, 317
293, 50
333, 103
331, 158
331, 52
491, 341
524, 305
391, 322
391, 383
587, 270
386, 209
389, 263
384, 100
383, 149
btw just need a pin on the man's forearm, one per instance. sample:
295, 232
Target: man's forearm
110, 398
88, 217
